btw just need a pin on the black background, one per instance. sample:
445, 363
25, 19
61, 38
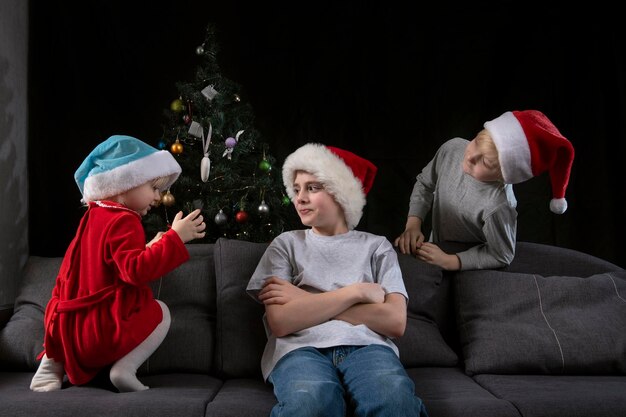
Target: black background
389, 81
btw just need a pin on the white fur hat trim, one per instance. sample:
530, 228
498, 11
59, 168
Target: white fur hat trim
330, 170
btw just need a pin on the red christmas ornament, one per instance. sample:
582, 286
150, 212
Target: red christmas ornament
189, 116
241, 216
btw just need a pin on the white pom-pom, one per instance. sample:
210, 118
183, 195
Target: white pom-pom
558, 205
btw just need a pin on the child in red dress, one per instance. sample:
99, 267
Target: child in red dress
102, 311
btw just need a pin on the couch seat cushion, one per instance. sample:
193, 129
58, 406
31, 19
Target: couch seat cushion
180, 395
560, 395
449, 392
242, 397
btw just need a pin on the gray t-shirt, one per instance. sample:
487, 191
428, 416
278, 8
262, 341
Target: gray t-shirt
324, 263
465, 209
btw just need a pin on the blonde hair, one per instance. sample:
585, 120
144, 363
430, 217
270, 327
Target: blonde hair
160, 182
486, 146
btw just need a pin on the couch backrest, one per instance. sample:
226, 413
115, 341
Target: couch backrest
217, 328
21, 340
552, 311
537, 258
431, 337
240, 333
189, 292
530, 258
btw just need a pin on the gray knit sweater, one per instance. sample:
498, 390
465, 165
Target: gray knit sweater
465, 209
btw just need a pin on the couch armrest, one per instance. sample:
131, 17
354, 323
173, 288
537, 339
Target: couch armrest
6, 311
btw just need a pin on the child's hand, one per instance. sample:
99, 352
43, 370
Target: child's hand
155, 239
279, 291
412, 237
432, 254
370, 292
190, 227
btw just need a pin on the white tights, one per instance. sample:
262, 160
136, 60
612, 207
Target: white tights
49, 376
123, 373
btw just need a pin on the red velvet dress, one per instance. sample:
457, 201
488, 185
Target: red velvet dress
102, 306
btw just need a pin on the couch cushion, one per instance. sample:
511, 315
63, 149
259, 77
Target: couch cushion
560, 395
242, 397
512, 323
422, 343
240, 334
189, 292
21, 340
548, 260
180, 395
448, 392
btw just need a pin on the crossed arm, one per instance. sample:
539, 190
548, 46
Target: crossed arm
290, 309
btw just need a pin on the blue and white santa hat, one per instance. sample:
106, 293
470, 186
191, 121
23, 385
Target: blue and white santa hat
120, 163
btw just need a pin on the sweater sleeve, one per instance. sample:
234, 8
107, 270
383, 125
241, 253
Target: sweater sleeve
500, 229
274, 262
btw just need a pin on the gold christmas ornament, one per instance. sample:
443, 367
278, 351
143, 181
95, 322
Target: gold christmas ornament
177, 105
167, 199
177, 147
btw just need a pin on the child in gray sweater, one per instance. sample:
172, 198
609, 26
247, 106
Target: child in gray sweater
468, 187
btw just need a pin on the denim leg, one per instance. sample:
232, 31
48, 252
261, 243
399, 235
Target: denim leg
378, 385
306, 384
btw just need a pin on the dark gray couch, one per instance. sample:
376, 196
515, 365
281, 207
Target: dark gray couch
544, 337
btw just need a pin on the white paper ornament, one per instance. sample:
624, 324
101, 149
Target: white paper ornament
196, 130
205, 168
209, 92
205, 164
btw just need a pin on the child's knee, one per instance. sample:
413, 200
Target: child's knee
167, 319
313, 398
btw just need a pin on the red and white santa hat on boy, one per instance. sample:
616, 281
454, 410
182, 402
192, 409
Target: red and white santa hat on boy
345, 175
528, 145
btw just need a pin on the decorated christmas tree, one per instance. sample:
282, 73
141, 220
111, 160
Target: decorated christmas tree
227, 170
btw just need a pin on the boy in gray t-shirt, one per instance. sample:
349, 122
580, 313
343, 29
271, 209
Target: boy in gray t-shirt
334, 298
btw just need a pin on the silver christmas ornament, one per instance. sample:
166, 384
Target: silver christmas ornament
220, 218
264, 209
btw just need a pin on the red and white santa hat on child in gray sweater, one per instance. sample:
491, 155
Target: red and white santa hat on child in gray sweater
528, 145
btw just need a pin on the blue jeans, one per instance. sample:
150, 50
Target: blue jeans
344, 380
